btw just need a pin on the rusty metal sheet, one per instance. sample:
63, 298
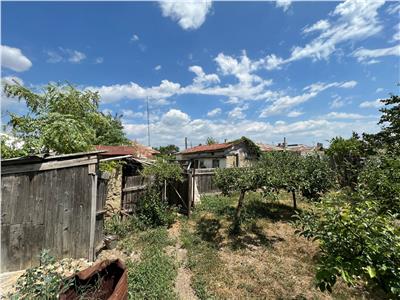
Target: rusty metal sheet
113, 284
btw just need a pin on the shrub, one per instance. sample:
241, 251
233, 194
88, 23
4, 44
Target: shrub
152, 211
380, 179
355, 241
318, 177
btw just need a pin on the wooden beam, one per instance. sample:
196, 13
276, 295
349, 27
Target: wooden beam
134, 188
115, 158
51, 165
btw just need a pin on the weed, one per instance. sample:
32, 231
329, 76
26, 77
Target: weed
154, 275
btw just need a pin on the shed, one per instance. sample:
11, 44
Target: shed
50, 202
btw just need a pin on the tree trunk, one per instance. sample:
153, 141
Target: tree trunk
239, 206
294, 199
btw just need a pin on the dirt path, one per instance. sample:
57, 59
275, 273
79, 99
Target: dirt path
182, 284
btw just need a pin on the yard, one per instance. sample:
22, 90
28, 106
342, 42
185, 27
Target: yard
200, 257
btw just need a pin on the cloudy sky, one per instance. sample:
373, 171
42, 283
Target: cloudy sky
307, 71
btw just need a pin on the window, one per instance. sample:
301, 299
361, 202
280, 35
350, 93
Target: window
202, 165
215, 163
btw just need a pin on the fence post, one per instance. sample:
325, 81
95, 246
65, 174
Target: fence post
92, 173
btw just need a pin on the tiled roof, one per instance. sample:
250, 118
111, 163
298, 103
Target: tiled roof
268, 148
137, 150
207, 148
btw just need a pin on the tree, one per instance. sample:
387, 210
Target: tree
318, 177
168, 150
210, 141
389, 136
241, 180
62, 119
286, 171
346, 156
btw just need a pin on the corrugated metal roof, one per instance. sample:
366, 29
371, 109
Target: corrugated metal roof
137, 150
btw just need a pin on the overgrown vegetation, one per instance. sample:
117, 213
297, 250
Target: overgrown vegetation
60, 118
153, 208
47, 280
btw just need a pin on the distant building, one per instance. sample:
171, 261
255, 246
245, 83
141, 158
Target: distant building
136, 150
298, 148
239, 153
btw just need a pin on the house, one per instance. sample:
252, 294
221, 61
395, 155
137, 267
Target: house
136, 150
269, 148
238, 153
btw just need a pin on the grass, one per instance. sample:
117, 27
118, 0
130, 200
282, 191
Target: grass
266, 259
153, 275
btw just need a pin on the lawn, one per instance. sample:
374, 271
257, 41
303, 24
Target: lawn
267, 259
202, 257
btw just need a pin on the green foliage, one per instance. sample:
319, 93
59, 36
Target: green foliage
10, 148
42, 282
110, 166
63, 119
346, 156
318, 177
152, 210
211, 141
380, 179
283, 170
121, 226
163, 170
153, 277
252, 147
389, 136
168, 150
237, 179
355, 240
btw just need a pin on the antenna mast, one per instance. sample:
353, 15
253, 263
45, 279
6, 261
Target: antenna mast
148, 122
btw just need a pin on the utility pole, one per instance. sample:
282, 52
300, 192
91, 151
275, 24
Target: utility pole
148, 122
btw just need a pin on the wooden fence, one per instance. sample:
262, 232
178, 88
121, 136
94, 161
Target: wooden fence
50, 203
182, 194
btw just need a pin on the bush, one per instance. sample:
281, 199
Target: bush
318, 177
121, 225
380, 179
152, 210
355, 241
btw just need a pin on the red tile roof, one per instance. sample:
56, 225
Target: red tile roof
207, 148
137, 150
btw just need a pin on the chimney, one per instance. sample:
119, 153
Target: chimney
185, 143
284, 143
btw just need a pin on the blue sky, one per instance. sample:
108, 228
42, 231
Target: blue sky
307, 71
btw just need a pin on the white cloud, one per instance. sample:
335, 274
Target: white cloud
273, 62
134, 38
70, 55
13, 59
189, 14
393, 9
215, 112
371, 104
337, 102
99, 60
286, 102
352, 20
294, 114
378, 90
363, 54
173, 126
321, 25
175, 118
130, 114
238, 112
284, 4
75, 56
158, 67
202, 78
107, 111
344, 115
